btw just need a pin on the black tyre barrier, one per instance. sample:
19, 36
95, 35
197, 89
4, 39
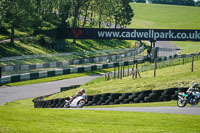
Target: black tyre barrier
69, 88
115, 98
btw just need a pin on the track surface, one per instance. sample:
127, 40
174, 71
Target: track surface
170, 110
9, 94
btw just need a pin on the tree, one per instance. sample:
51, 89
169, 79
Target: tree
64, 9
197, 3
123, 13
127, 13
140, 1
18, 14
175, 2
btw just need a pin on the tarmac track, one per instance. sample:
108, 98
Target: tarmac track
169, 110
9, 94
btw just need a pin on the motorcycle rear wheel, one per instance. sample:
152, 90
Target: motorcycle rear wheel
181, 103
81, 103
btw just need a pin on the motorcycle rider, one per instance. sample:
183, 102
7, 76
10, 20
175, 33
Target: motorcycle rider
192, 88
79, 93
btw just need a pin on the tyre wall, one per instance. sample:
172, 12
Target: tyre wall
69, 88
116, 98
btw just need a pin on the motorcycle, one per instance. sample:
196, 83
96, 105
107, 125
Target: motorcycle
193, 99
78, 102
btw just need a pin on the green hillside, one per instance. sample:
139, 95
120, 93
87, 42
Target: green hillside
158, 16
169, 77
165, 16
29, 48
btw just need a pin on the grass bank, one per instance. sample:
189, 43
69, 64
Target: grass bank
188, 47
55, 120
174, 76
160, 16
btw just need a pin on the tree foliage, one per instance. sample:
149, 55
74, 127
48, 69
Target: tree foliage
69, 13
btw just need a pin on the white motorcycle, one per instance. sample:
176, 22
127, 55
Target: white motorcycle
78, 102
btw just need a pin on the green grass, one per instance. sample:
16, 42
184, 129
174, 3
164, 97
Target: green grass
27, 48
158, 16
25, 120
165, 16
175, 76
20, 49
188, 47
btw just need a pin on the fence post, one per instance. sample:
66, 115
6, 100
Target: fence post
155, 67
118, 72
114, 72
123, 72
136, 70
192, 63
128, 70
0, 72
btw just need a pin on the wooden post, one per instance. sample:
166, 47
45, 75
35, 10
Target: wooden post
192, 63
118, 72
114, 72
128, 70
136, 70
155, 67
133, 71
121, 73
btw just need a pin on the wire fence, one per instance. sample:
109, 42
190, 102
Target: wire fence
135, 69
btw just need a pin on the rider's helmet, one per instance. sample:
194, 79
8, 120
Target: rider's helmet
195, 85
83, 90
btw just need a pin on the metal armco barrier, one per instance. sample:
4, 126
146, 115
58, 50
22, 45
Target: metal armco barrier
44, 74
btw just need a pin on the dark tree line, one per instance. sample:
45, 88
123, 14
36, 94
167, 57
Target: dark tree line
35, 14
172, 2
175, 2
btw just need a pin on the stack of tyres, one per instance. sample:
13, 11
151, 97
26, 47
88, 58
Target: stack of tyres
167, 94
133, 96
115, 98
125, 98
105, 99
142, 95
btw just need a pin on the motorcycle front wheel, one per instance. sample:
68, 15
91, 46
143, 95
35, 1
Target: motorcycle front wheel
181, 102
66, 105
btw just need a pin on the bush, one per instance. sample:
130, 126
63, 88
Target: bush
45, 41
